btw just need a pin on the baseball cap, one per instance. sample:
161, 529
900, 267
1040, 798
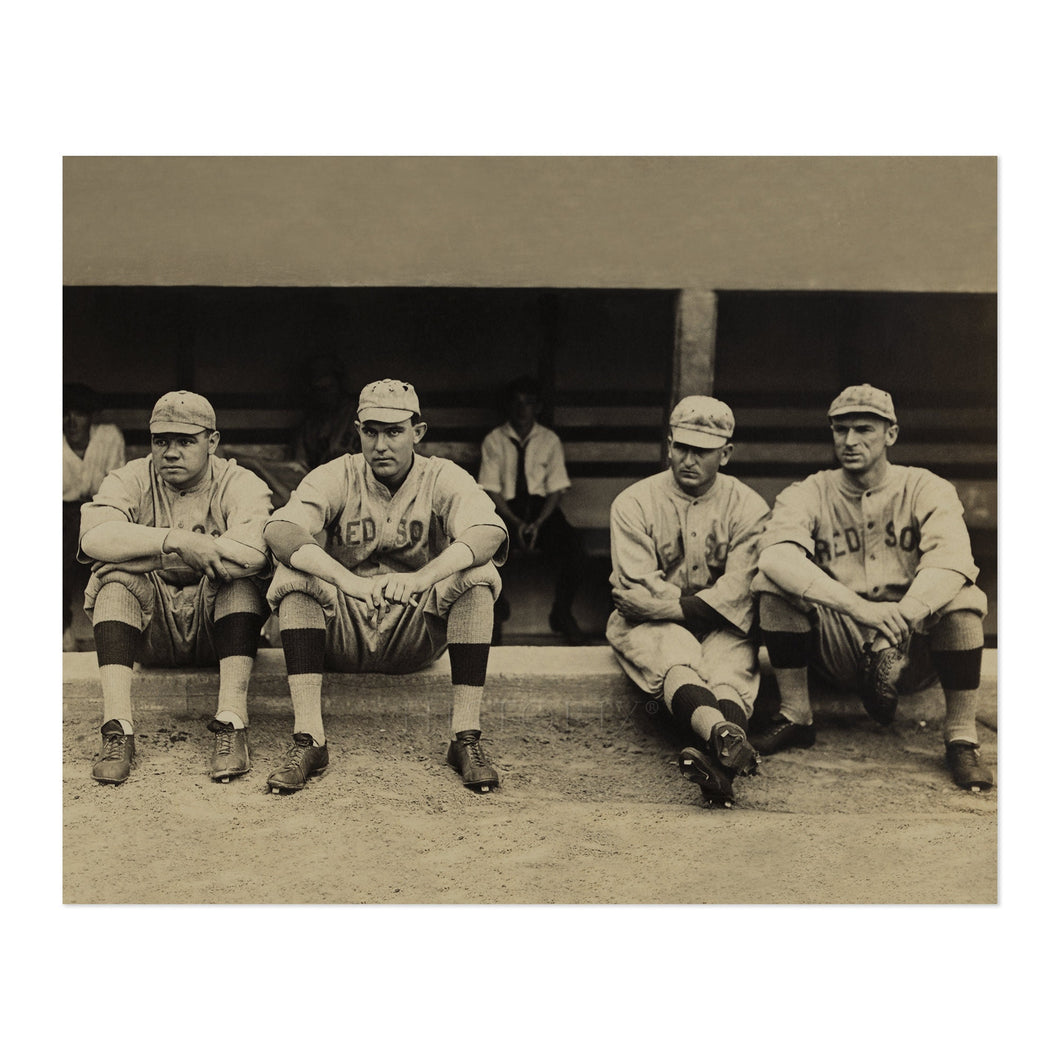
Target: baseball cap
388, 401
701, 421
863, 398
182, 412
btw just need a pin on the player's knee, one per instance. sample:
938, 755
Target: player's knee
957, 631
484, 578
476, 598
288, 583
243, 596
964, 621
114, 589
300, 610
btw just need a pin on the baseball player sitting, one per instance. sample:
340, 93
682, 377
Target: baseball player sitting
176, 540
408, 567
866, 575
683, 547
524, 473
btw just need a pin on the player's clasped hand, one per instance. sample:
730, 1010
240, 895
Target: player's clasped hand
205, 553
887, 618
638, 604
380, 592
402, 588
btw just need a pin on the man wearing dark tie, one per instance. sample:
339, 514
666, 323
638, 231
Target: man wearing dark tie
525, 475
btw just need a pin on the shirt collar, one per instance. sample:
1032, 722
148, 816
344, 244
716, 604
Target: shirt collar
513, 434
676, 491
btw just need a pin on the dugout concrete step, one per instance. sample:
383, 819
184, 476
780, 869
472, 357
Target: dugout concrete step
523, 682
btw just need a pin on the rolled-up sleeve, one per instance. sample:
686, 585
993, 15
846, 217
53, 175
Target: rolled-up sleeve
461, 503
246, 502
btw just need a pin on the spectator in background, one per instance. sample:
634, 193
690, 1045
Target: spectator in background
329, 427
326, 430
525, 475
90, 451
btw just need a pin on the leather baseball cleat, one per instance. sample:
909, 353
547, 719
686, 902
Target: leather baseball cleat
304, 758
714, 780
732, 749
966, 769
115, 756
878, 673
782, 733
231, 754
466, 756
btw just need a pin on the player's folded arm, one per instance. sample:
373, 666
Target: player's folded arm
788, 564
486, 541
242, 559
113, 539
935, 587
285, 538
633, 556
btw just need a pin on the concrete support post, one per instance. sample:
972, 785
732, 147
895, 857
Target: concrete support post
695, 334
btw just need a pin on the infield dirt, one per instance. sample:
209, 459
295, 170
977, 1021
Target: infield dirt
588, 812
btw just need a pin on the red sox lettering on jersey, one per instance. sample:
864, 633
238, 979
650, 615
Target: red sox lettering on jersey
874, 541
673, 543
371, 532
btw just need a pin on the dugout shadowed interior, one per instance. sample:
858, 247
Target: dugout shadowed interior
605, 358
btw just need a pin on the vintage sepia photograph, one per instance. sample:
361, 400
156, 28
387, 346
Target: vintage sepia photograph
512, 530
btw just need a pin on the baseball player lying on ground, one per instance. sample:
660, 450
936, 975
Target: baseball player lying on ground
683, 548
866, 574
408, 567
176, 540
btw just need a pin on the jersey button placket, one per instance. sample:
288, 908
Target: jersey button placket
868, 526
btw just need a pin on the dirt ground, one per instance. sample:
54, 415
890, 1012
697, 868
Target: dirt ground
587, 812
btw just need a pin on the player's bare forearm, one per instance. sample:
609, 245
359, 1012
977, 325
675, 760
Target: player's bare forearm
790, 568
457, 557
172, 564
216, 558
932, 589
312, 559
119, 542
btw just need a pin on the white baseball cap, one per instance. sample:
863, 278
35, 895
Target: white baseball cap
388, 401
701, 421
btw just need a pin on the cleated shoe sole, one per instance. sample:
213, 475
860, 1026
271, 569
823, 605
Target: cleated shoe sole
715, 782
733, 750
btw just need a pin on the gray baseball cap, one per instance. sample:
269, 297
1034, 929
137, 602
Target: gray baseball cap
182, 412
701, 421
388, 401
863, 397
